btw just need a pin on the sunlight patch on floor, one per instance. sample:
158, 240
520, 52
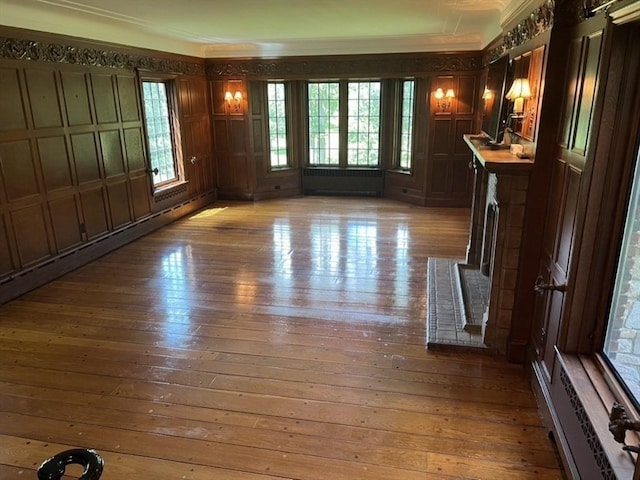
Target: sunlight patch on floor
208, 212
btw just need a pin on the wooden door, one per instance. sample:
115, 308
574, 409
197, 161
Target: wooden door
560, 230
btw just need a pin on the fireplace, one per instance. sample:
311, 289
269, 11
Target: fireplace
495, 236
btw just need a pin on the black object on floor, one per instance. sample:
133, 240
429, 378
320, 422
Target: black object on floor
54, 467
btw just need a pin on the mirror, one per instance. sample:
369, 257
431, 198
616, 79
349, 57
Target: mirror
523, 96
494, 110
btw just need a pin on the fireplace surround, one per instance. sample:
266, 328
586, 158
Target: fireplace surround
495, 236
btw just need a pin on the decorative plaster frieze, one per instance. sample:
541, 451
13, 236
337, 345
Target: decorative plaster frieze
20, 49
538, 21
349, 65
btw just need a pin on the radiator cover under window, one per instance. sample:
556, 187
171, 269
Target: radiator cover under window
341, 181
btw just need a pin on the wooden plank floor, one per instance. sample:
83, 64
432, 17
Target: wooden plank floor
275, 340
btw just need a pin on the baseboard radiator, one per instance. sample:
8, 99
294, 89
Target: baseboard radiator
341, 181
579, 437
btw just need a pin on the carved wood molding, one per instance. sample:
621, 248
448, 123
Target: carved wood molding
538, 21
572, 12
42, 51
560, 12
384, 65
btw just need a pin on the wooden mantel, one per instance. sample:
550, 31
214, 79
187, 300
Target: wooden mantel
500, 160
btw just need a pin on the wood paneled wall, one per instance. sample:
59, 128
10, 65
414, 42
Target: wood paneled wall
197, 144
440, 174
230, 137
448, 173
73, 163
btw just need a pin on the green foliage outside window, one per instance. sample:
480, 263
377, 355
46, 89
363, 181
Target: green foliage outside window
157, 118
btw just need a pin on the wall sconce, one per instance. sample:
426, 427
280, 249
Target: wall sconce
488, 97
443, 100
234, 101
519, 90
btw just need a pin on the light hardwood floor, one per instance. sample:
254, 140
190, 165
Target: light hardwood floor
277, 340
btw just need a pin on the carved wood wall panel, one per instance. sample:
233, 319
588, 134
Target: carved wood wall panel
55, 162
85, 155
31, 234
12, 116
45, 109
6, 259
94, 211
76, 98
65, 222
104, 98
18, 163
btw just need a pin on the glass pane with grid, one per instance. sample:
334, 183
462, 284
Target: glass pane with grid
324, 123
156, 112
406, 127
363, 136
277, 124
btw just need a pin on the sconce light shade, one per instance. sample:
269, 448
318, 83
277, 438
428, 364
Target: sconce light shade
519, 89
487, 95
234, 101
517, 93
443, 100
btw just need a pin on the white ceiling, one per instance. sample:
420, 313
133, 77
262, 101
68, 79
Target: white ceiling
271, 28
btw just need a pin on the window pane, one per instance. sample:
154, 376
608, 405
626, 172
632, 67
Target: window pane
406, 128
156, 112
277, 124
324, 123
363, 134
622, 343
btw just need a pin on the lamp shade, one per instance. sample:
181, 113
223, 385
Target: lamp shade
519, 89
